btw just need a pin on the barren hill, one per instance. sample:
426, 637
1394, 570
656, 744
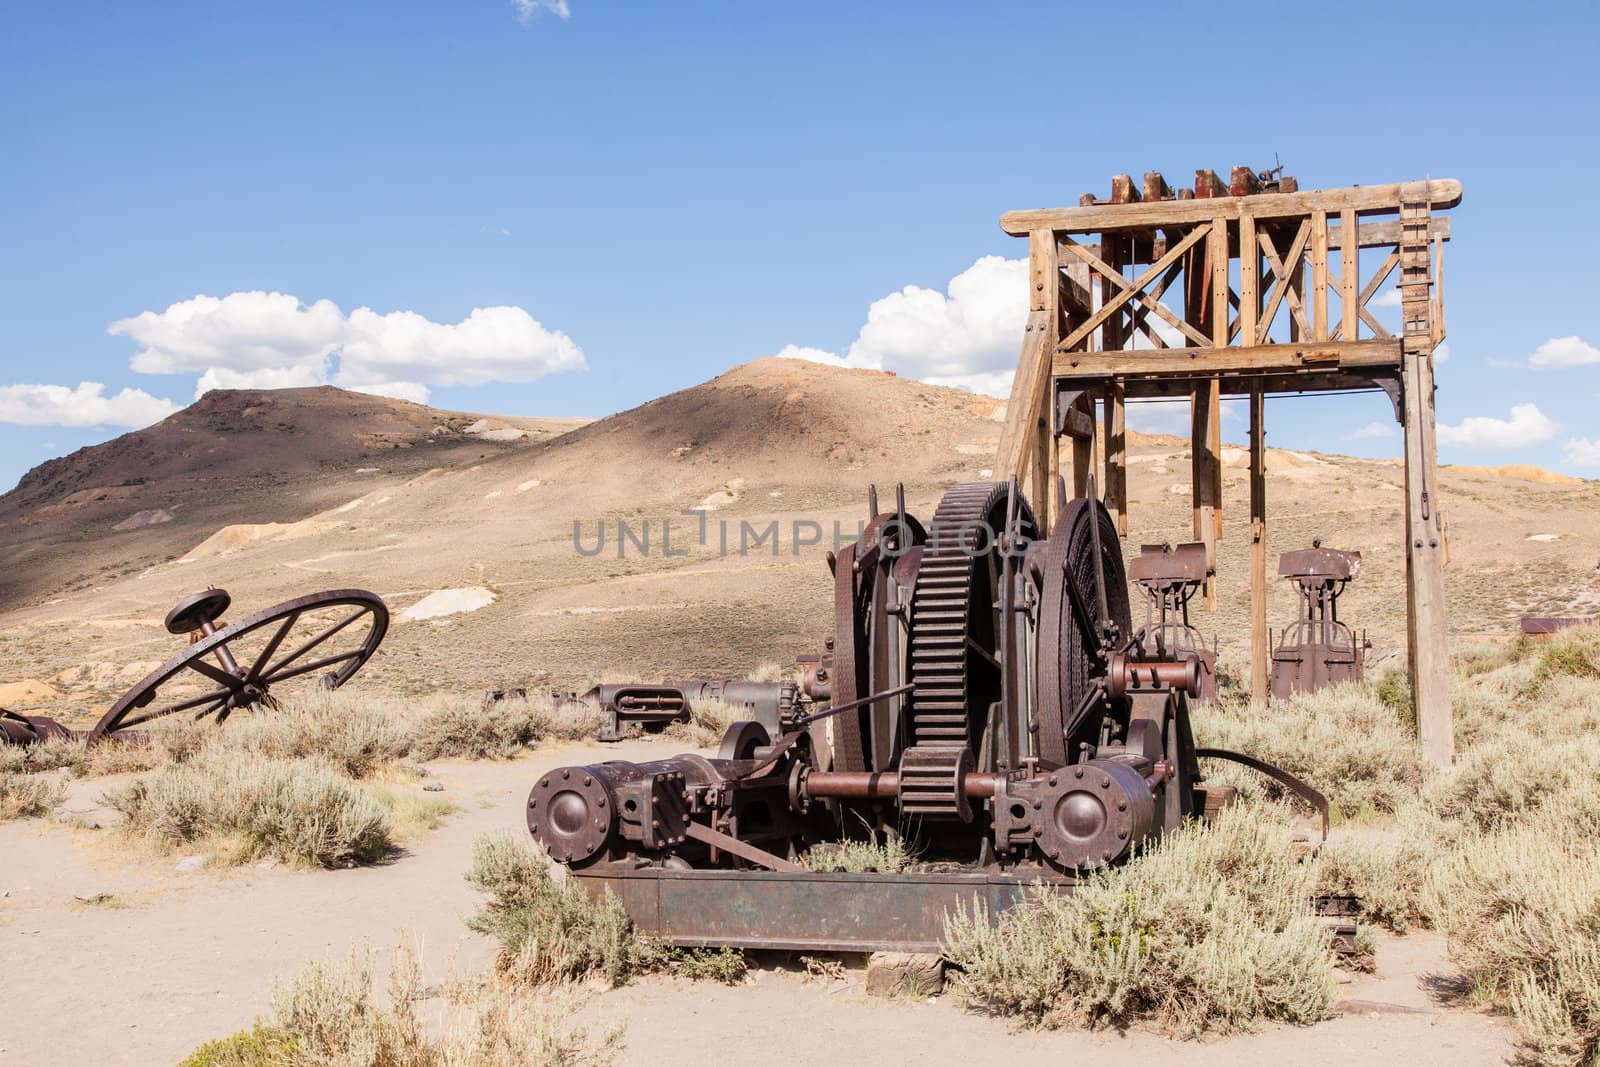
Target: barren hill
233, 455
731, 492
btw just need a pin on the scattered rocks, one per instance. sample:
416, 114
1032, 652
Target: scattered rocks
433, 787
148, 517
190, 863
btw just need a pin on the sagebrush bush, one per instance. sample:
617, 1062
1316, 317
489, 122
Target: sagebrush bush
327, 1016
1517, 773
550, 930
1211, 929
25, 796
1573, 652
1343, 740
476, 729
1521, 906
299, 811
355, 735
1388, 873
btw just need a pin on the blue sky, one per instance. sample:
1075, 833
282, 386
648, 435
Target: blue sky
639, 196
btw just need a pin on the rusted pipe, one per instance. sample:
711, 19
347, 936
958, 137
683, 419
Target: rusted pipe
1133, 676
881, 785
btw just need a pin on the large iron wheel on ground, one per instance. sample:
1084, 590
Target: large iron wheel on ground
328, 636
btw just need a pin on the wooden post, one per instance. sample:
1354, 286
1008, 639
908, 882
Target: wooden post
1319, 275
1219, 338
1117, 456
1427, 625
1026, 441
1258, 550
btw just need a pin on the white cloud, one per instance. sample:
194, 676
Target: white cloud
1583, 452
1159, 416
273, 340
293, 377
1389, 298
1564, 352
527, 9
814, 355
1441, 353
1526, 426
1375, 430
967, 336
87, 405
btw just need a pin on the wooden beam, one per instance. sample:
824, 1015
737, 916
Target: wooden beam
1019, 452
1217, 250
1243, 182
1445, 193
1201, 482
1155, 186
1212, 360
1100, 265
1123, 191
1117, 457
1349, 306
1208, 186
1114, 303
1285, 286
1383, 234
1259, 651
1319, 275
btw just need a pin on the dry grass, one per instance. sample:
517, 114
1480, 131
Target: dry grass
857, 856
26, 796
327, 1016
244, 807
708, 721
1211, 930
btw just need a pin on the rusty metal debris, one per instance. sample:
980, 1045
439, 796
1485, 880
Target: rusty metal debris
984, 697
229, 666
1544, 626
651, 706
1317, 650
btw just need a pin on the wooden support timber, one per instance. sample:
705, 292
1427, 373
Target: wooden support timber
1134, 297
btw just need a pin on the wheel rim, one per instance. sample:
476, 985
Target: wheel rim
281, 644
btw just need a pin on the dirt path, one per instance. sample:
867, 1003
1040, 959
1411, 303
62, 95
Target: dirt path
174, 959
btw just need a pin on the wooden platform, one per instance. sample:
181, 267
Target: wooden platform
1241, 288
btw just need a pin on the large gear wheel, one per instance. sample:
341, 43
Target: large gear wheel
955, 641
1070, 629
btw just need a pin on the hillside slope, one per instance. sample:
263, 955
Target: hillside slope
703, 478
232, 456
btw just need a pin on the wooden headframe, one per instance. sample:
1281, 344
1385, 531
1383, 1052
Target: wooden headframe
1239, 288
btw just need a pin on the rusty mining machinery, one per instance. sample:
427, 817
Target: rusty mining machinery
318, 640
984, 696
1317, 650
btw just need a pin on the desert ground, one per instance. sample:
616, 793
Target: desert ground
474, 530
182, 957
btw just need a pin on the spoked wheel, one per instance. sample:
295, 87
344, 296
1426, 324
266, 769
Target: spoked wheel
314, 641
1071, 627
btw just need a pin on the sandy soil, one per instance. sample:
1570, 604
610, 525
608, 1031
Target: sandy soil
174, 959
